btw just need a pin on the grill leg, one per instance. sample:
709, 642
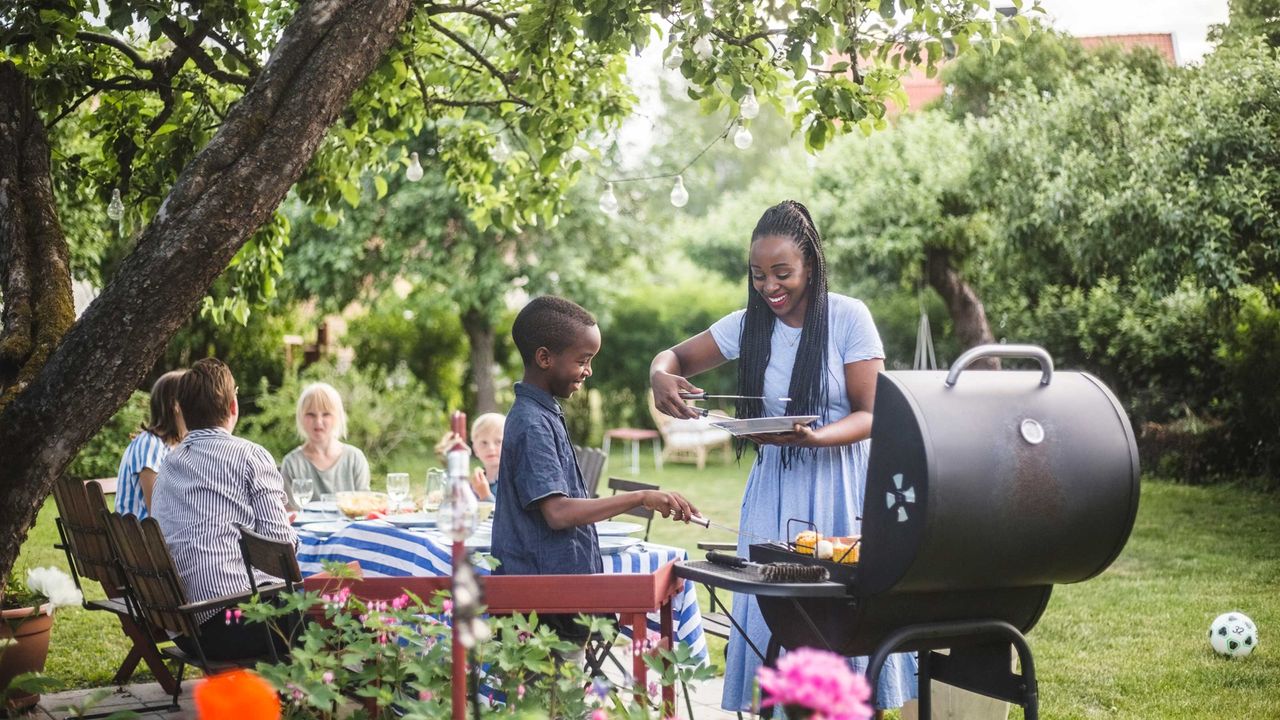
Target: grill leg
1027, 694
924, 698
770, 660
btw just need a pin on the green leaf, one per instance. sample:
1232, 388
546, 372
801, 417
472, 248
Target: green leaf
380, 186
350, 193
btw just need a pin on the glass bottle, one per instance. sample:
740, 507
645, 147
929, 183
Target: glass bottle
457, 518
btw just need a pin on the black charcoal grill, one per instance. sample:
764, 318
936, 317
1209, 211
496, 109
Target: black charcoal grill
983, 491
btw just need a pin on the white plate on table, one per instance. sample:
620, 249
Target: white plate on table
322, 506
612, 544
307, 518
479, 542
418, 519
764, 425
614, 527
324, 529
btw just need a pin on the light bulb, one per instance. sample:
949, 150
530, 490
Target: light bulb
790, 104
414, 172
702, 47
115, 208
749, 107
501, 153
742, 139
675, 59
609, 201
679, 196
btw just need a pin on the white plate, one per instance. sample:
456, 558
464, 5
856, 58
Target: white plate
307, 518
763, 425
612, 545
480, 542
614, 527
324, 506
326, 528
418, 519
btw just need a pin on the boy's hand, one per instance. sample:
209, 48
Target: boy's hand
670, 504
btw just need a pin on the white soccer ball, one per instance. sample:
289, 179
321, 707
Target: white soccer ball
1233, 635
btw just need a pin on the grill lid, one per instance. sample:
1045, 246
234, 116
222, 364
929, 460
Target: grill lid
995, 479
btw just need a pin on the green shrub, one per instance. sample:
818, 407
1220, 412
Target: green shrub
100, 457
387, 412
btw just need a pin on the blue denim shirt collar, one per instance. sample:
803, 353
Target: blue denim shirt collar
540, 396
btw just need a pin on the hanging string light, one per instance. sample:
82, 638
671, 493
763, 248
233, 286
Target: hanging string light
742, 139
702, 47
675, 59
749, 107
414, 172
679, 196
608, 201
115, 208
501, 153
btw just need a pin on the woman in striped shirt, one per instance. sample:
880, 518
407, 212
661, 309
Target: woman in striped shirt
147, 450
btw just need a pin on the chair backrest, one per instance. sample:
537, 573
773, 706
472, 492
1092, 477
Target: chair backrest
591, 462
84, 533
272, 557
619, 484
148, 569
660, 419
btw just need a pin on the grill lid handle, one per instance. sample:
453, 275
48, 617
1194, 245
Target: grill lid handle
1003, 351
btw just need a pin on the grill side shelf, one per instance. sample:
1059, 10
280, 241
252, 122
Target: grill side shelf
748, 580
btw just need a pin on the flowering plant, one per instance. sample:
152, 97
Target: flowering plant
816, 684
42, 585
392, 658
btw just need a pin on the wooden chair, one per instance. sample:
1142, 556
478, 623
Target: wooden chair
617, 484
689, 440
272, 557
83, 534
157, 596
591, 463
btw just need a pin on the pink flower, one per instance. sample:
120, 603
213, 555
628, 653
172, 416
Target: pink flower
520, 691
425, 695
447, 605
327, 676
819, 681
599, 714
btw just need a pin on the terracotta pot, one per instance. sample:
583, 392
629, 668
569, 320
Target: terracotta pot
30, 628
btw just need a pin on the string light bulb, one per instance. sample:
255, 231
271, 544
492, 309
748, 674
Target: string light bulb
742, 139
501, 153
608, 201
749, 107
679, 196
702, 47
414, 172
675, 59
115, 208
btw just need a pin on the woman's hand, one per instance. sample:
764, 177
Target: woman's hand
800, 436
670, 504
666, 395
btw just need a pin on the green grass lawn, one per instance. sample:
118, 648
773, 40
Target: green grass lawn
1128, 644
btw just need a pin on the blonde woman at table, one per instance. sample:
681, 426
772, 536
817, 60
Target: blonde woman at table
800, 351
332, 465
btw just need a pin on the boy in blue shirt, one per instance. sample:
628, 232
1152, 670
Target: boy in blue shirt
544, 520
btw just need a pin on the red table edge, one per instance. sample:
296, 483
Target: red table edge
632, 596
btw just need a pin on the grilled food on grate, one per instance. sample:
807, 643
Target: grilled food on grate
774, 572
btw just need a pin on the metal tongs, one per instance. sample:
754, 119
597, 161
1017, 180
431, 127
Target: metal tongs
704, 412
707, 523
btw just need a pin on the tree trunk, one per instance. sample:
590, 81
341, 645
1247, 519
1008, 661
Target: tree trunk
228, 191
480, 334
38, 306
968, 316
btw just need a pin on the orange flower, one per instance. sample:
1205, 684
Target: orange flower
236, 695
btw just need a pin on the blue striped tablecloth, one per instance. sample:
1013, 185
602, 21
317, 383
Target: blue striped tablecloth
387, 551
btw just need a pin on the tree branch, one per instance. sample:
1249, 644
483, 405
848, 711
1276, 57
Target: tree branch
236, 52
502, 21
505, 78
115, 42
190, 47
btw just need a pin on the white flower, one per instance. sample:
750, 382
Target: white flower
55, 585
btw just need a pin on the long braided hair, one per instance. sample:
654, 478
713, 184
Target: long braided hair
808, 391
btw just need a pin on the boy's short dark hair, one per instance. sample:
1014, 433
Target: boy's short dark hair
205, 393
548, 321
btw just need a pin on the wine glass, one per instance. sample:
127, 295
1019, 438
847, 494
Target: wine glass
435, 489
304, 489
397, 488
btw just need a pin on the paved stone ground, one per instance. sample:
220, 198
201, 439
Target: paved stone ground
151, 703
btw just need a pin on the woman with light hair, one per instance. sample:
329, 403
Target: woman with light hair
331, 464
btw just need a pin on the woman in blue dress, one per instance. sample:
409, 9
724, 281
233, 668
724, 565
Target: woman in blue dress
822, 351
